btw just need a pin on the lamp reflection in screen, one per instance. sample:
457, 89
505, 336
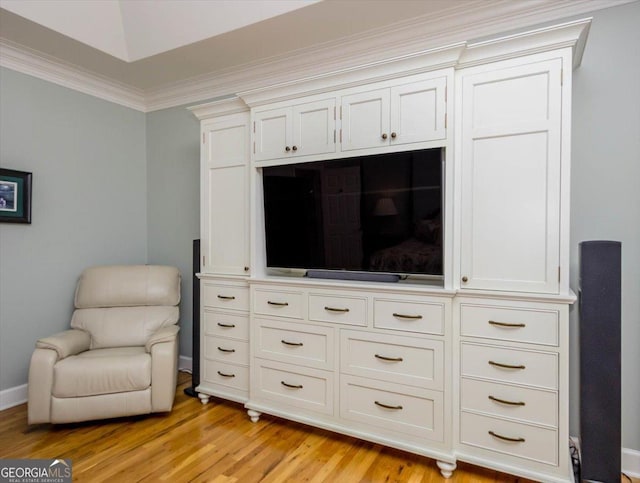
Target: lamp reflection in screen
385, 207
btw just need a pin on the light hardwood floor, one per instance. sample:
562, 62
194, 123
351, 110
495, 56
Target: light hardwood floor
217, 443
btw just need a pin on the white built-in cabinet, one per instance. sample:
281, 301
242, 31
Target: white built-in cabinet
473, 368
405, 113
298, 130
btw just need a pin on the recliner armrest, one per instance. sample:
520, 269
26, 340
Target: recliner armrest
164, 334
67, 343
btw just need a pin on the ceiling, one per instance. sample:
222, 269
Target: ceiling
153, 54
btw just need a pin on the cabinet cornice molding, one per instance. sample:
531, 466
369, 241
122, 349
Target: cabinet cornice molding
232, 105
570, 34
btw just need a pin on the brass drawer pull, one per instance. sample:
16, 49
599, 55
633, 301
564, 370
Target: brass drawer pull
403, 316
226, 297
277, 304
226, 326
510, 403
386, 406
391, 359
297, 344
292, 386
226, 350
333, 309
507, 366
506, 438
506, 324
226, 375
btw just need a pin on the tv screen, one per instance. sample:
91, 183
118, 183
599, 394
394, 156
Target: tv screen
380, 213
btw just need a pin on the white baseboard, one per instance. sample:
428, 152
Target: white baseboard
185, 363
13, 396
631, 462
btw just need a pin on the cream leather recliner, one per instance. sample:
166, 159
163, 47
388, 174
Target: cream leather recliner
120, 357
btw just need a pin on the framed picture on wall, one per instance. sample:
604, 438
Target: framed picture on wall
15, 196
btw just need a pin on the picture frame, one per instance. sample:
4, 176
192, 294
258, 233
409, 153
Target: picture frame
15, 196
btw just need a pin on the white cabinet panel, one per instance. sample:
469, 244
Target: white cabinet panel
365, 120
272, 133
511, 121
314, 128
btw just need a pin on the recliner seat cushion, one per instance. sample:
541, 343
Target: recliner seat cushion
102, 371
123, 326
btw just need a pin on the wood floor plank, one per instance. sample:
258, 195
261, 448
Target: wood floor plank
218, 443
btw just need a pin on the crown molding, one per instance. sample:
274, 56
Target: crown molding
51, 69
457, 24
221, 107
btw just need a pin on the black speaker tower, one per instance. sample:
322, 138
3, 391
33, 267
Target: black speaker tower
195, 347
600, 361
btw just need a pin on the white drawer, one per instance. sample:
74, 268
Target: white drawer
228, 297
515, 402
226, 325
227, 375
509, 323
410, 410
427, 318
295, 343
278, 303
302, 388
393, 358
337, 309
226, 350
510, 365
530, 442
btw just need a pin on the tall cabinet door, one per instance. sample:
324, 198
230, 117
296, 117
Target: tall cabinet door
225, 192
511, 160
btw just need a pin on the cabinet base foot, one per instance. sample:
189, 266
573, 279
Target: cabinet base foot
253, 415
446, 469
204, 398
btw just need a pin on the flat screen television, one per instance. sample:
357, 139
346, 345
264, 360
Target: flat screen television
362, 215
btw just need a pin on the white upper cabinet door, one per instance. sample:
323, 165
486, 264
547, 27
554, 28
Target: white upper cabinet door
511, 160
365, 120
272, 134
314, 128
225, 205
418, 111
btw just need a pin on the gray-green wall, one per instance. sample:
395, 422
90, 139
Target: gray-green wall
88, 162
157, 222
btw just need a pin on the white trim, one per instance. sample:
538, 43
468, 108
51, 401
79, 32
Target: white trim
13, 396
51, 69
631, 462
185, 363
456, 24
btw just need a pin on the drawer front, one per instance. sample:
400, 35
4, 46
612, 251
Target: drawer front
277, 303
227, 375
303, 388
226, 325
515, 402
393, 407
338, 310
538, 369
302, 344
427, 318
405, 360
532, 443
227, 297
507, 323
226, 350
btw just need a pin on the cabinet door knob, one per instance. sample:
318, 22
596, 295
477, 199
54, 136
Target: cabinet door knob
394, 135
465, 279
246, 269
295, 148
384, 135
287, 148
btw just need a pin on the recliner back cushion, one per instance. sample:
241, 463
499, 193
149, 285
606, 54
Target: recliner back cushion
123, 326
128, 286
